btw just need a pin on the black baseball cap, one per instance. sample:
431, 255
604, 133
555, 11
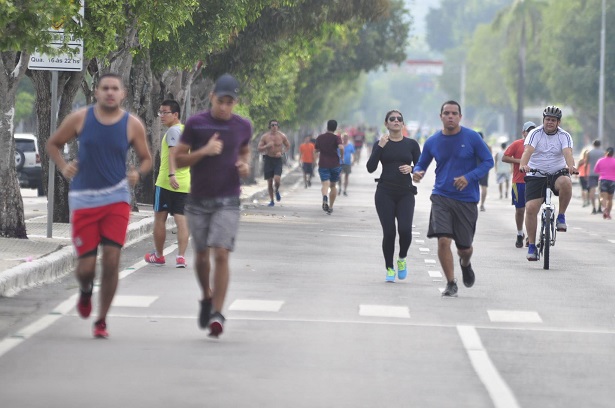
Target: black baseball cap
226, 85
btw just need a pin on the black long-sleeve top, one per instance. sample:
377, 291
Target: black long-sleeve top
392, 155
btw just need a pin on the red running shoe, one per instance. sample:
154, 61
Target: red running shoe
216, 324
100, 329
180, 262
84, 304
153, 259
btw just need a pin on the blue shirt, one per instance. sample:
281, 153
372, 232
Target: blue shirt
462, 154
348, 151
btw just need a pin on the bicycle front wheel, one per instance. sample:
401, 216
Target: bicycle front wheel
546, 233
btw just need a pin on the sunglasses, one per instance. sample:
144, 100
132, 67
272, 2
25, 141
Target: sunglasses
396, 118
162, 113
274, 124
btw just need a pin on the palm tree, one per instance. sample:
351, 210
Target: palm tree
520, 21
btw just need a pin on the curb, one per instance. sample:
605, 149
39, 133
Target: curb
60, 263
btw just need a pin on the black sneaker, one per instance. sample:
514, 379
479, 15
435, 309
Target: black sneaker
468, 275
205, 313
325, 207
329, 211
216, 324
451, 289
519, 243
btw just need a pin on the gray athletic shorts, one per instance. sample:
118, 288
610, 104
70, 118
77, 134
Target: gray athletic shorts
453, 219
213, 223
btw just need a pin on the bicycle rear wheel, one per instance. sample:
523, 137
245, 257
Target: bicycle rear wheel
546, 241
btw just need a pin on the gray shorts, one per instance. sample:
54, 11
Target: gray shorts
346, 168
453, 219
213, 223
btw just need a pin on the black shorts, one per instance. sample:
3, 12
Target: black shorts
592, 181
607, 186
536, 187
169, 201
584, 183
453, 219
308, 168
484, 181
272, 167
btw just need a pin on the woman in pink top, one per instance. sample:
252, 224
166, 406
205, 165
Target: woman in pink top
606, 168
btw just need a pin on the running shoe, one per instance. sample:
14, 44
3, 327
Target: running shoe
271, 204
100, 329
154, 259
329, 211
180, 262
390, 275
345, 193
84, 304
450, 290
325, 207
277, 195
468, 275
402, 270
216, 324
205, 313
532, 253
560, 224
519, 243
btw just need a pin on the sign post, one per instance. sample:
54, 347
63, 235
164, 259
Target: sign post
55, 63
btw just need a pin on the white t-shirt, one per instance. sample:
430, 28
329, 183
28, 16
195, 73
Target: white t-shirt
548, 154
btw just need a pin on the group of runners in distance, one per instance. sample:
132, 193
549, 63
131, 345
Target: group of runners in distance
203, 161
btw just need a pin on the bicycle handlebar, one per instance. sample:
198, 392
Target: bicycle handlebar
564, 171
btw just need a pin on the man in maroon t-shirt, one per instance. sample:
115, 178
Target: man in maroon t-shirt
216, 146
329, 167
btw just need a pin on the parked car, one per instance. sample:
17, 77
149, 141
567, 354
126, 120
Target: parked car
28, 162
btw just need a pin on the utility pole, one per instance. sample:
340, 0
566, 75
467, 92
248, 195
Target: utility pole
601, 83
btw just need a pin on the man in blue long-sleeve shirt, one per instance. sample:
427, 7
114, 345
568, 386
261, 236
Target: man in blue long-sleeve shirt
462, 158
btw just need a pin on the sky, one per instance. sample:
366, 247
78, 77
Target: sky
419, 10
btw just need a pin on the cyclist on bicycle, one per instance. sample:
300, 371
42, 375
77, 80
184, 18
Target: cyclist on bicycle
547, 148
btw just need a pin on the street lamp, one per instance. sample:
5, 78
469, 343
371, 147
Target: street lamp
601, 82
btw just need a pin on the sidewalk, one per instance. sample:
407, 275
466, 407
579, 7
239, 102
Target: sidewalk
29, 262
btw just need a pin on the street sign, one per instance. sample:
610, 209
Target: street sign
64, 61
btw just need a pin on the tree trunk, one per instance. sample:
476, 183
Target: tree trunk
12, 221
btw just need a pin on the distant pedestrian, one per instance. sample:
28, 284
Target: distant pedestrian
462, 159
484, 181
502, 172
306, 158
347, 161
99, 192
172, 187
593, 156
513, 154
327, 145
605, 167
273, 144
216, 146
395, 193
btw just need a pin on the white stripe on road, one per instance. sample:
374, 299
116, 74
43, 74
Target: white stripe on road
423, 250
513, 316
612, 241
498, 390
384, 311
133, 301
250, 305
430, 261
435, 274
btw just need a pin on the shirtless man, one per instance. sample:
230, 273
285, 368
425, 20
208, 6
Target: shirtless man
273, 144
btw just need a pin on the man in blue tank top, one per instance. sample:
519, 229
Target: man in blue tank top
99, 193
216, 146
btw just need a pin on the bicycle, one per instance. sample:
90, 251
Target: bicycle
548, 231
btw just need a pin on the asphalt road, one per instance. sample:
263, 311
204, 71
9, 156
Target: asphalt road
311, 322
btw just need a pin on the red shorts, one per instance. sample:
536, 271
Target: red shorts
106, 224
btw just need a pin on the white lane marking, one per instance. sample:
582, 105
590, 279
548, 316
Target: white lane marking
612, 241
430, 261
424, 250
384, 311
416, 233
133, 301
8, 344
251, 305
435, 274
498, 390
419, 241
514, 316
37, 326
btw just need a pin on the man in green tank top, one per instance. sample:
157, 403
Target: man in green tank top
172, 187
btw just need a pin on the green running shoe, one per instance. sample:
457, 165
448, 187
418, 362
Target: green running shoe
402, 270
390, 275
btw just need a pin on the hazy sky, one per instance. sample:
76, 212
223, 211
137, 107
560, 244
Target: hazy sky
419, 9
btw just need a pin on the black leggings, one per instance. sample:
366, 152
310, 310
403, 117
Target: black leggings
394, 204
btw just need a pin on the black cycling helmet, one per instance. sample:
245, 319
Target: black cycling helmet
552, 111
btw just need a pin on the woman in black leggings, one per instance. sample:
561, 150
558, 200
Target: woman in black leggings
395, 192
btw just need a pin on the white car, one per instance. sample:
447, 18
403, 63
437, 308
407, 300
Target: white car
28, 162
